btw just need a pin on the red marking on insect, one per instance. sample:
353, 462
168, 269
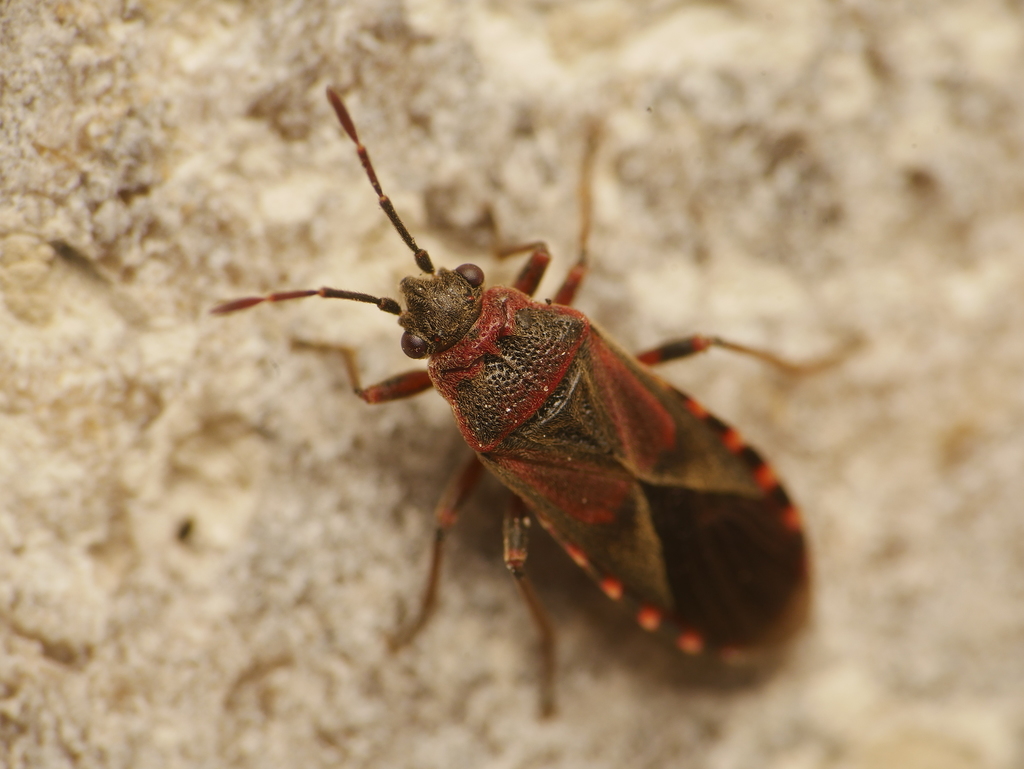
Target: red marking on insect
661, 502
612, 588
649, 618
580, 491
733, 441
690, 641
695, 408
765, 478
577, 555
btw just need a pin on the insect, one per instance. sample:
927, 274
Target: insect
664, 505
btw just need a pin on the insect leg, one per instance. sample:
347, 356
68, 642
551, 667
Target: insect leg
402, 385
567, 291
691, 345
530, 276
399, 386
455, 493
516, 528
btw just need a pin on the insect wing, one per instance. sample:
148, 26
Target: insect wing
661, 502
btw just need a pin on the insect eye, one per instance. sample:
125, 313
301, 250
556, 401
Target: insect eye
413, 346
473, 275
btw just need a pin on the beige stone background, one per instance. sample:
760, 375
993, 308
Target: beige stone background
205, 538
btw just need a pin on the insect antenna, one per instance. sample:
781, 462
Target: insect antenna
420, 255
385, 304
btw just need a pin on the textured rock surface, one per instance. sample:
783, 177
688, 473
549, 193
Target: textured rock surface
205, 539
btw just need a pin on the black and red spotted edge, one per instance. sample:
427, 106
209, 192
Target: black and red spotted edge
687, 638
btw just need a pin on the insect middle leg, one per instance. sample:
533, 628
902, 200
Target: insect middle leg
445, 514
458, 489
691, 345
516, 530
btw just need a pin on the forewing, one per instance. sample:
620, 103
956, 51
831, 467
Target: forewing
659, 437
736, 570
598, 512
649, 492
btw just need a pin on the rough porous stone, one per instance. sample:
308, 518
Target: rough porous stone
205, 538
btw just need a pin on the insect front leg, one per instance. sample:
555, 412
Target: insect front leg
403, 385
530, 276
516, 531
533, 271
458, 489
571, 284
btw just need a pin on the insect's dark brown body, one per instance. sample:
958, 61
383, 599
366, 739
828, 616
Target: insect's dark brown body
659, 501
630, 475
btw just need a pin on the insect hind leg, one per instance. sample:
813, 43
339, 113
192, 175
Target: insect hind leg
515, 530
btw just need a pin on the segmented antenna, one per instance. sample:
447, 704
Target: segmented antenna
420, 255
384, 304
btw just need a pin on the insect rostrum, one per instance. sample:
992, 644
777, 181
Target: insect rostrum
662, 503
